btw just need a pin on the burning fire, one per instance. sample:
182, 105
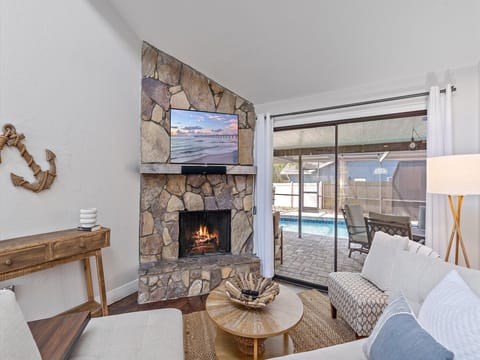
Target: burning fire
204, 240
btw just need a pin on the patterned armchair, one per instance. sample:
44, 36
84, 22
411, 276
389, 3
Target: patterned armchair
359, 302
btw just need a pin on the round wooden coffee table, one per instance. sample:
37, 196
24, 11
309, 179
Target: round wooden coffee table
256, 332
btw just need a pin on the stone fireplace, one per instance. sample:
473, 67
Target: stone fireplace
171, 200
204, 232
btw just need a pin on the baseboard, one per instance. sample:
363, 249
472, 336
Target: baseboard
120, 292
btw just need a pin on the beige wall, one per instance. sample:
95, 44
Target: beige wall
70, 80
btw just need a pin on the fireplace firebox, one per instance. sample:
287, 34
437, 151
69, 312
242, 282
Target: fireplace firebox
204, 232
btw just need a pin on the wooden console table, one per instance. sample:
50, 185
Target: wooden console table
28, 254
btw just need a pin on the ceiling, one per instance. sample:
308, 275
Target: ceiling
267, 50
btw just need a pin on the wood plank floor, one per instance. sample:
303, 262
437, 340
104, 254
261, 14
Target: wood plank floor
186, 305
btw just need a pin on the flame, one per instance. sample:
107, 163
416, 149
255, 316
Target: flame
203, 231
203, 238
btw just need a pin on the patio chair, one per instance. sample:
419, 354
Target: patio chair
390, 224
277, 237
357, 232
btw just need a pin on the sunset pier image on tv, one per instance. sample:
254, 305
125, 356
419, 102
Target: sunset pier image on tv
203, 137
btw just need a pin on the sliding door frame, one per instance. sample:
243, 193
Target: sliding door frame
335, 124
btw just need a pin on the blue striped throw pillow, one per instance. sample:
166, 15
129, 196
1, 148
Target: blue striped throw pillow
399, 336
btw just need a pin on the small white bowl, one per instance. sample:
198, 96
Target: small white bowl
88, 211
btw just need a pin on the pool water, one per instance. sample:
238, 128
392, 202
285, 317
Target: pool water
314, 226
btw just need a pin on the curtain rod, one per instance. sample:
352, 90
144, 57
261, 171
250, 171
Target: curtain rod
368, 102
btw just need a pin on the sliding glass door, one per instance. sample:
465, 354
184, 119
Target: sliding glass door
377, 166
304, 194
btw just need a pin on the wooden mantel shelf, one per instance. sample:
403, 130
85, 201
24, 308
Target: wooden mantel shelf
177, 169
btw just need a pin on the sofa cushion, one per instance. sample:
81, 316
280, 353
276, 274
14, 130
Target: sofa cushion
399, 336
418, 248
16, 340
153, 334
416, 275
378, 263
451, 313
351, 351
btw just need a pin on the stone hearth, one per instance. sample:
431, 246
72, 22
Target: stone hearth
167, 83
190, 276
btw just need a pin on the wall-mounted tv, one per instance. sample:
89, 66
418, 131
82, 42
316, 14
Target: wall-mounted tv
199, 137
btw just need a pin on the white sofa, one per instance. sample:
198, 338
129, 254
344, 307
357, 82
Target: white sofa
153, 334
413, 274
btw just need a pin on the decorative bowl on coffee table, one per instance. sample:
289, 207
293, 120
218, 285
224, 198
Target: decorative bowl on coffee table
251, 290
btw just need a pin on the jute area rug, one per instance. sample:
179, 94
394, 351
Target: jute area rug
316, 330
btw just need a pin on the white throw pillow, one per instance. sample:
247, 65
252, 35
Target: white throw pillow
379, 262
420, 249
16, 340
451, 314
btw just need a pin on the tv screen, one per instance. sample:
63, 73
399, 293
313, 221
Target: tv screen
199, 137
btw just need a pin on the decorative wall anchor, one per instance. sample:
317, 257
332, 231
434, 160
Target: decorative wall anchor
44, 178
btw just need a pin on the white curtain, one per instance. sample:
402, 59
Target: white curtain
263, 220
439, 142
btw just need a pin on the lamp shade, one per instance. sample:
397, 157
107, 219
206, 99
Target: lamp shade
454, 174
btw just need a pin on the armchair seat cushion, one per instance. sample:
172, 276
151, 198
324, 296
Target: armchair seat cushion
359, 302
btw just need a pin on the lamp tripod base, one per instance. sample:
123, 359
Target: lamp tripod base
456, 233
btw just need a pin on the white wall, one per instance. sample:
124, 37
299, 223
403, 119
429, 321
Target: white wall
466, 140
70, 81
466, 117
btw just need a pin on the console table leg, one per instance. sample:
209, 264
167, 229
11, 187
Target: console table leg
88, 278
255, 349
101, 282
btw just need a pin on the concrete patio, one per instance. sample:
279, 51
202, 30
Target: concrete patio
311, 257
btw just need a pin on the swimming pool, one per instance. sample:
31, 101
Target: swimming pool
314, 226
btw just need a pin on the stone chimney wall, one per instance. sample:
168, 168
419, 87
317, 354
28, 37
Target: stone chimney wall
168, 83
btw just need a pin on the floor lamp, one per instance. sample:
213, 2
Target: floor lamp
455, 176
